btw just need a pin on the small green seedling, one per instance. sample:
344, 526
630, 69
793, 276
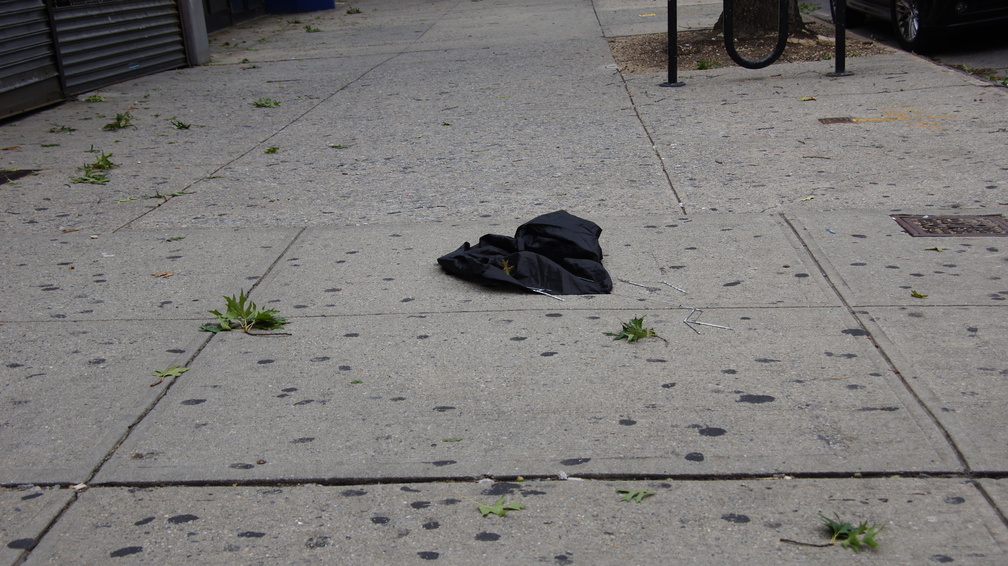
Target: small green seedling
266, 103
310, 29
634, 331
174, 371
272, 149
175, 238
704, 64
178, 124
95, 98
917, 294
103, 162
124, 120
353, 10
499, 508
935, 249
93, 173
850, 536
637, 495
241, 313
90, 177
59, 129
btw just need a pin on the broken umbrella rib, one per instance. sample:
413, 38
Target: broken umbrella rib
674, 287
650, 288
642, 286
694, 318
547, 293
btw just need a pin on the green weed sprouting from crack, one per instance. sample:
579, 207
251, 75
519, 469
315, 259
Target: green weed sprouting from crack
634, 331
61, 129
123, 120
266, 103
272, 149
95, 98
94, 173
703, 65
178, 124
848, 535
311, 29
353, 10
241, 313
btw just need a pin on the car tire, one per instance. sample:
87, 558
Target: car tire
906, 24
855, 18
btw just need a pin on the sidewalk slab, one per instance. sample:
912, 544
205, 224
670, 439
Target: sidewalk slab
420, 139
962, 382
132, 275
72, 390
26, 513
874, 262
998, 492
759, 144
391, 268
532, 393
563, 522
154, 157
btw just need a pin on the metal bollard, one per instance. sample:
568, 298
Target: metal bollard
840, 35
673, 46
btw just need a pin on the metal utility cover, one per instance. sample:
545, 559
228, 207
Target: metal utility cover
942, 226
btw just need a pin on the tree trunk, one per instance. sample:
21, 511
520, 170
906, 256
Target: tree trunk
755, 18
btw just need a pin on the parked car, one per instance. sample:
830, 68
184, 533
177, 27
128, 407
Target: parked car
917, 22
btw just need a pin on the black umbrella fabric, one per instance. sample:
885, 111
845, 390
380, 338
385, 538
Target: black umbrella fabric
557, 253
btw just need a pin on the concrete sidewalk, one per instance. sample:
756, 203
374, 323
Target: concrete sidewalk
402, 398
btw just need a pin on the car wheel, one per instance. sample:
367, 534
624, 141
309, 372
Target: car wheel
906, 22
854, 18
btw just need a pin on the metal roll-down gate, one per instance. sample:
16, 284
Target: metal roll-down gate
839, 20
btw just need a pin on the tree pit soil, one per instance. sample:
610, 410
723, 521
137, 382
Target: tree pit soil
704, 49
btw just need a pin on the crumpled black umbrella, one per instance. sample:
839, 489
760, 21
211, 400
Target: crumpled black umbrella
558, 253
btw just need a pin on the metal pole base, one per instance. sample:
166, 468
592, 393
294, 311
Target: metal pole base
673, 84
840, 74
